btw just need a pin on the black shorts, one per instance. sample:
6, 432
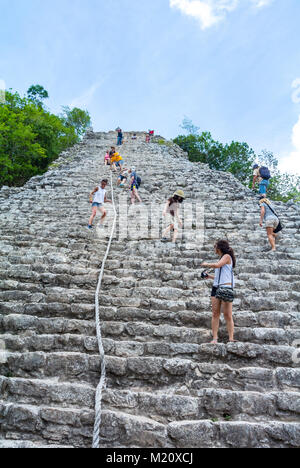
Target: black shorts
214, 291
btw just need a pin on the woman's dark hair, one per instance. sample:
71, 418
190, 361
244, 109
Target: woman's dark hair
175, 199
225, 248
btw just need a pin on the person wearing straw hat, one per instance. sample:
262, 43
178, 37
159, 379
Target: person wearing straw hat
171, 215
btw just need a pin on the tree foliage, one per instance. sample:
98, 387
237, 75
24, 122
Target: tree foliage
31, 138
37, 94
237, 158
79, 119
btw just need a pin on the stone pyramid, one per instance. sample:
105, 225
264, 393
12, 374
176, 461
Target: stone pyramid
166, 385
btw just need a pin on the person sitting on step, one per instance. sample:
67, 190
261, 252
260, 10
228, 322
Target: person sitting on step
222, 294
107, 159
123, 178
171, 215
116, 161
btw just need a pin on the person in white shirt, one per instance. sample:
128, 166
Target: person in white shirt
223, 280
98, 198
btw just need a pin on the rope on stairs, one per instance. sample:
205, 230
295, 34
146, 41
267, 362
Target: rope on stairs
102, 383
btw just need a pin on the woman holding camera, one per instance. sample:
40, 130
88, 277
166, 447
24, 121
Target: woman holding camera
223, 289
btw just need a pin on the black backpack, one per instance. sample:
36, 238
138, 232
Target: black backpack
265, 173
138, 181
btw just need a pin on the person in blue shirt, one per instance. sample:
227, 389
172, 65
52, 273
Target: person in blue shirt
120, 138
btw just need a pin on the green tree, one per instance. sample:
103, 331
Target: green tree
237, 158
79, 119
37, 94
189, 127
283, 186
30, 138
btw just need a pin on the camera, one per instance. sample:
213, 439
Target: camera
204, 275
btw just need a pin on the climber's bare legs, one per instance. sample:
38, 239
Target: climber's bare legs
227, 311
167, 230
135, 195
94, 214
271, 237
216, 314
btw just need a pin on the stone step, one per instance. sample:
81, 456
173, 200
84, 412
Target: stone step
50, 295
254, 305
27, 444
64, 366
84, 368
209, 404
85, 312
268, 319
47, 392
236, 434
67, 426
23, 325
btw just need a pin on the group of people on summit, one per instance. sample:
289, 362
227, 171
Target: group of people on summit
222, 294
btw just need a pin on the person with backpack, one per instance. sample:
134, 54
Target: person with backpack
98, 198
272, 222
222, 295
171, 215
134, 184
261, 175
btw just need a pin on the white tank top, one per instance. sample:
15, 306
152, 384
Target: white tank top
224, 276
99, 196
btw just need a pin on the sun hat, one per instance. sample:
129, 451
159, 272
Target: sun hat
180, 194
133, 169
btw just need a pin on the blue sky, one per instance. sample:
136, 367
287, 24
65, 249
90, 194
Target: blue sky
232, 66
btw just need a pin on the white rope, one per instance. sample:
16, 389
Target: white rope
101, 386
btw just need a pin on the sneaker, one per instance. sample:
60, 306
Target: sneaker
165, 239
101, 226
90, 227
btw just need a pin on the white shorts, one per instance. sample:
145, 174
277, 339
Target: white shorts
169, 219
272, 222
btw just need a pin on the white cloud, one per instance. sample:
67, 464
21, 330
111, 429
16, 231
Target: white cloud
207, 12
296, 93
86, 98
210, 12
261, 3
291, 163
